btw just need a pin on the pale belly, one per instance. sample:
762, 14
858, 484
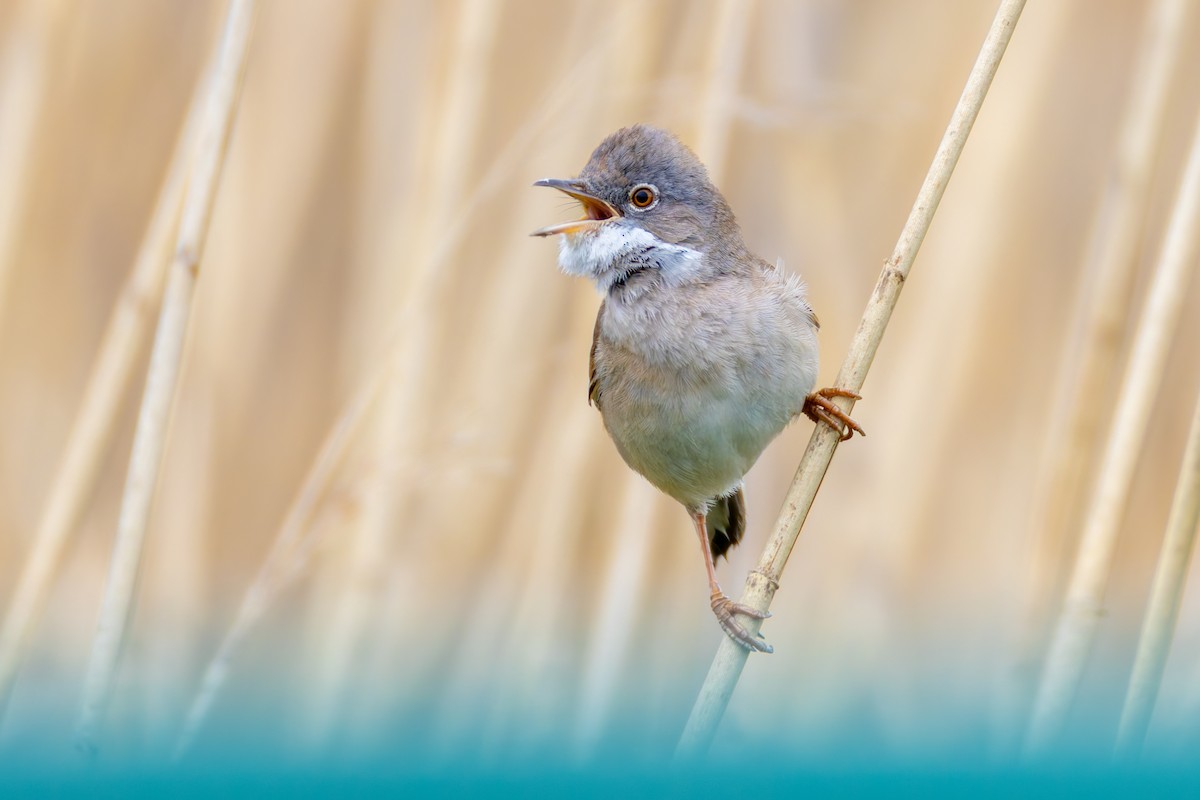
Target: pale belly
696, 381
696, 444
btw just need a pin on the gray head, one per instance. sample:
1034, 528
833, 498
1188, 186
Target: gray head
642, 188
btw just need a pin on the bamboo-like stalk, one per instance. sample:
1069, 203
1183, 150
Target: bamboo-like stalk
762, 583
1090, 364
1085, 595
1165, 599
92, 432
165, 358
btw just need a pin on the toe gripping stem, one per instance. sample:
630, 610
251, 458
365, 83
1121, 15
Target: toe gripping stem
819, 407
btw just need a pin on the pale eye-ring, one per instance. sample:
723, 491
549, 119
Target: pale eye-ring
643, 196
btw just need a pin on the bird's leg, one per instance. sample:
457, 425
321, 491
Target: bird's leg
722, 606
819, 408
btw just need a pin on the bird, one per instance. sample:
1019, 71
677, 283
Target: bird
702, 352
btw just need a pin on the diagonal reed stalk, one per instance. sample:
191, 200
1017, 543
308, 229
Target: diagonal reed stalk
95, 423
1085, 595
286, 557
162, 377
1102, 311
763, 582
1165, 599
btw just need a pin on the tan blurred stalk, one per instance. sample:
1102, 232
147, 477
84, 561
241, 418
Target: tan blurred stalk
533, 532
178, 570
23, 61
557, 494
620, 608
1166, 596
1088, 365
1083, 606
294, 543
946, 351
401, 417
507, 523
289, 551
761, 583
165, 359
726, 55
123, 342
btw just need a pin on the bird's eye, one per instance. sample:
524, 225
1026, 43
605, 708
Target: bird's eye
643, 196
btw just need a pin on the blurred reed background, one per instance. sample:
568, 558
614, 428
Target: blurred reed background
470, 571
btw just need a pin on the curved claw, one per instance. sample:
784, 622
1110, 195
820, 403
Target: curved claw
725, 609
819, 408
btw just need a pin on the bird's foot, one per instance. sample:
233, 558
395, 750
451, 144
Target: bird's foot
819, 407
725, 609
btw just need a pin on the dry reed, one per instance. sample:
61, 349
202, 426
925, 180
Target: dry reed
165, 359
1166, 596
294, 543
1083, 607
1089, 364
124, 340
762, 583
399, 429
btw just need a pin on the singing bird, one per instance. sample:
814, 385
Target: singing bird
702, 351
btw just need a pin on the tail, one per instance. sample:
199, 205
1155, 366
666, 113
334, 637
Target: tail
726, 523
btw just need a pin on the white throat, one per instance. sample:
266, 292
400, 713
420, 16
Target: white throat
605, 253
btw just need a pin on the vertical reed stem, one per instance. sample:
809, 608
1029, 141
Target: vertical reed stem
1085, 595
1102, 314
1165, 598
92, 432
165, 358
290, 549
762, 583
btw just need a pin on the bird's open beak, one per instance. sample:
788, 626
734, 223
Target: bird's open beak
596, 211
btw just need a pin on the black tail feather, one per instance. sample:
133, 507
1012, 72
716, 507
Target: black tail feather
726, 523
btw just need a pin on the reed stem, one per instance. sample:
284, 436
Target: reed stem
1165, 599
1089, 366
162, 378
763, 582
1143, 374
95, 422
